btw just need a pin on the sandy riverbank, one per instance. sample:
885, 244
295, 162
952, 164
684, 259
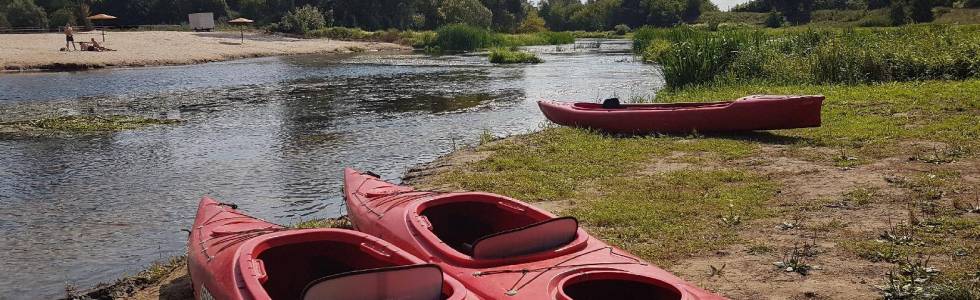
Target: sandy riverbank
153, 48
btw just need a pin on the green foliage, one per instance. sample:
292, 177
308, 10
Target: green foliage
847, 56
460, 37
24, 13
655, 50
3, 20
62, 16
775, 20
532, 23
303, 20
898, 14
622, 29
468, 12
921, 10
501, 55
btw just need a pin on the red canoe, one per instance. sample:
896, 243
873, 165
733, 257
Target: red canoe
501, 248
759, 112
235, 256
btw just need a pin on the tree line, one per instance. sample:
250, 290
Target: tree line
498, 15
900, 11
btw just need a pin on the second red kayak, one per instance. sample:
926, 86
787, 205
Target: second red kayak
759, 112
501, 248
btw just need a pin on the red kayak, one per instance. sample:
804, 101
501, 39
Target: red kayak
759, 112
235, 256
501, 248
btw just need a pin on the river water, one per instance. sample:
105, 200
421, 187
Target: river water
269, 134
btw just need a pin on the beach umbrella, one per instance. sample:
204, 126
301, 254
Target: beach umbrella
241, 22
101, 17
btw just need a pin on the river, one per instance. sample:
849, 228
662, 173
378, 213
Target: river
269, 134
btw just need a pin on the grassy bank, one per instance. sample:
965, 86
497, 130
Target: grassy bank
456, 37
837, 205
692, 56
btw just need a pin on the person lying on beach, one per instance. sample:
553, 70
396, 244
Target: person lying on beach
95, 46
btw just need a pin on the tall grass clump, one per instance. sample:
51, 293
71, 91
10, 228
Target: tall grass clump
502, 55
531, 39
819, 56
459, 37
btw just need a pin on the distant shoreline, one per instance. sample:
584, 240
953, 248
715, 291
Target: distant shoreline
40, 52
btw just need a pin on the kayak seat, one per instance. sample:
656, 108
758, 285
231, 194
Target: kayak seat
530, 239
611, 103
411, 282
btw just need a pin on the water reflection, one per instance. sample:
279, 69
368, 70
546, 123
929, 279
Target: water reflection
271, 135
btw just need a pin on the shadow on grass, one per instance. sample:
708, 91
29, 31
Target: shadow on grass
177, 289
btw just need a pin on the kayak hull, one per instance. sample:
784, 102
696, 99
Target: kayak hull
235, 256
583, 268
759, 112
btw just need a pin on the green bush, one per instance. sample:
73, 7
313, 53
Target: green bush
622, 29
775, 20
302, 20
459, 37
655, 50
512, 56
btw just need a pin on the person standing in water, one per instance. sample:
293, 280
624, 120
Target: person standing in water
69, 37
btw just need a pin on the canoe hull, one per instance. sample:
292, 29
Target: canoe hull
581, 267
749, 113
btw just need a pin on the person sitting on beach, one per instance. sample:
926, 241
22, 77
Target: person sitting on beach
95, 46
69, 37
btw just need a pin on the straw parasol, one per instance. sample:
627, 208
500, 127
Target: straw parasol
241, 22
101, 17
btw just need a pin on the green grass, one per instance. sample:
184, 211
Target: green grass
501, 55
819, 56
872, 119
660, 217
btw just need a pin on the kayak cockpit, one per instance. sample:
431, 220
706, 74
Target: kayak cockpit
652, 106
286, 265
599, 285
472, 227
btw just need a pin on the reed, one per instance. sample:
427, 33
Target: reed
823, 56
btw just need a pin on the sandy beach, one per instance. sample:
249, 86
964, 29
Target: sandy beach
151, 48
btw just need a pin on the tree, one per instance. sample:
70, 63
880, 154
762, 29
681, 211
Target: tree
692, 10
898, 14
469, 12
876, 4
775, 20
24, 13
532, 23
663, 13
302, 20
921, 11
62, 16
